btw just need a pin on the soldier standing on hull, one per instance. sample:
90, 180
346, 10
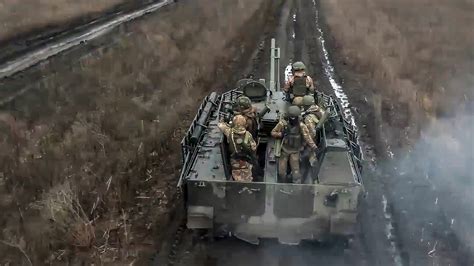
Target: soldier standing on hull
312, 114
294, 135
311, 117
299, 84
242, 148
243, 106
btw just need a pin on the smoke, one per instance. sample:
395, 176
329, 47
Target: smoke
432, 187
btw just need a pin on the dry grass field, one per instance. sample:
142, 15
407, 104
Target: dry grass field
89, 157
414, 62
419, 53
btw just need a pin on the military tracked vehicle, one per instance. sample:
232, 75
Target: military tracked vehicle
325, 205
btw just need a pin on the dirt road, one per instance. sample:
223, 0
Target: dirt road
298, 35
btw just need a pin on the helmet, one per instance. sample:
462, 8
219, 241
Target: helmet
244, 102
294, 111
308, 100
298, 101
298, 66
239, 122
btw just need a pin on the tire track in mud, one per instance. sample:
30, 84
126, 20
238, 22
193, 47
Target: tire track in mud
61, 44
343, 98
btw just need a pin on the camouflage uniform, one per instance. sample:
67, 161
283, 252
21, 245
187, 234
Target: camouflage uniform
294, 139
242, 147
251, 124
312, 114
311, 118
299, 84
243, 106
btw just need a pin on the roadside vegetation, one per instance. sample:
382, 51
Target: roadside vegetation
416, 55
414, 90
89, 157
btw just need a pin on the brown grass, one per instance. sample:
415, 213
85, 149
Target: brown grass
414, 53
105, 131
62, 207
18, 16
417, 57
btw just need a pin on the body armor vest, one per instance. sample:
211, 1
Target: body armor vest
293, 141
299, 88
239, 146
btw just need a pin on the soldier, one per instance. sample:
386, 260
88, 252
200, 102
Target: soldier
312, 114
299, 84
243, 106
311, 117
242, 148
294, 135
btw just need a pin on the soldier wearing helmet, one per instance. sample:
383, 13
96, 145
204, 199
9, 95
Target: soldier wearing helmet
312, 114
299, 84
243, 106
242, 148
295, 135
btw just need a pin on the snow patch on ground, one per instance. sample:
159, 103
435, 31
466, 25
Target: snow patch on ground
330, 74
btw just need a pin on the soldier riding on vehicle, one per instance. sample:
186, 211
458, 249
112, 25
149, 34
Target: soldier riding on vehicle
312, 114
243, 106
242, 148
295, 135
262, 188
299, 84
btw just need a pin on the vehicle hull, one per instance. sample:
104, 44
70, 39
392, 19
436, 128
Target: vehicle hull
287, 212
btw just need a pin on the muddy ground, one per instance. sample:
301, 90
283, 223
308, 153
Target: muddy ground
121, 104
24, 20
26, 31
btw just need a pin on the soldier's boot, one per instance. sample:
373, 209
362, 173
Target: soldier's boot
313, 160
296, 177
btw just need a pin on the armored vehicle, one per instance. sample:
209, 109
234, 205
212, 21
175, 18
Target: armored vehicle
325, 205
